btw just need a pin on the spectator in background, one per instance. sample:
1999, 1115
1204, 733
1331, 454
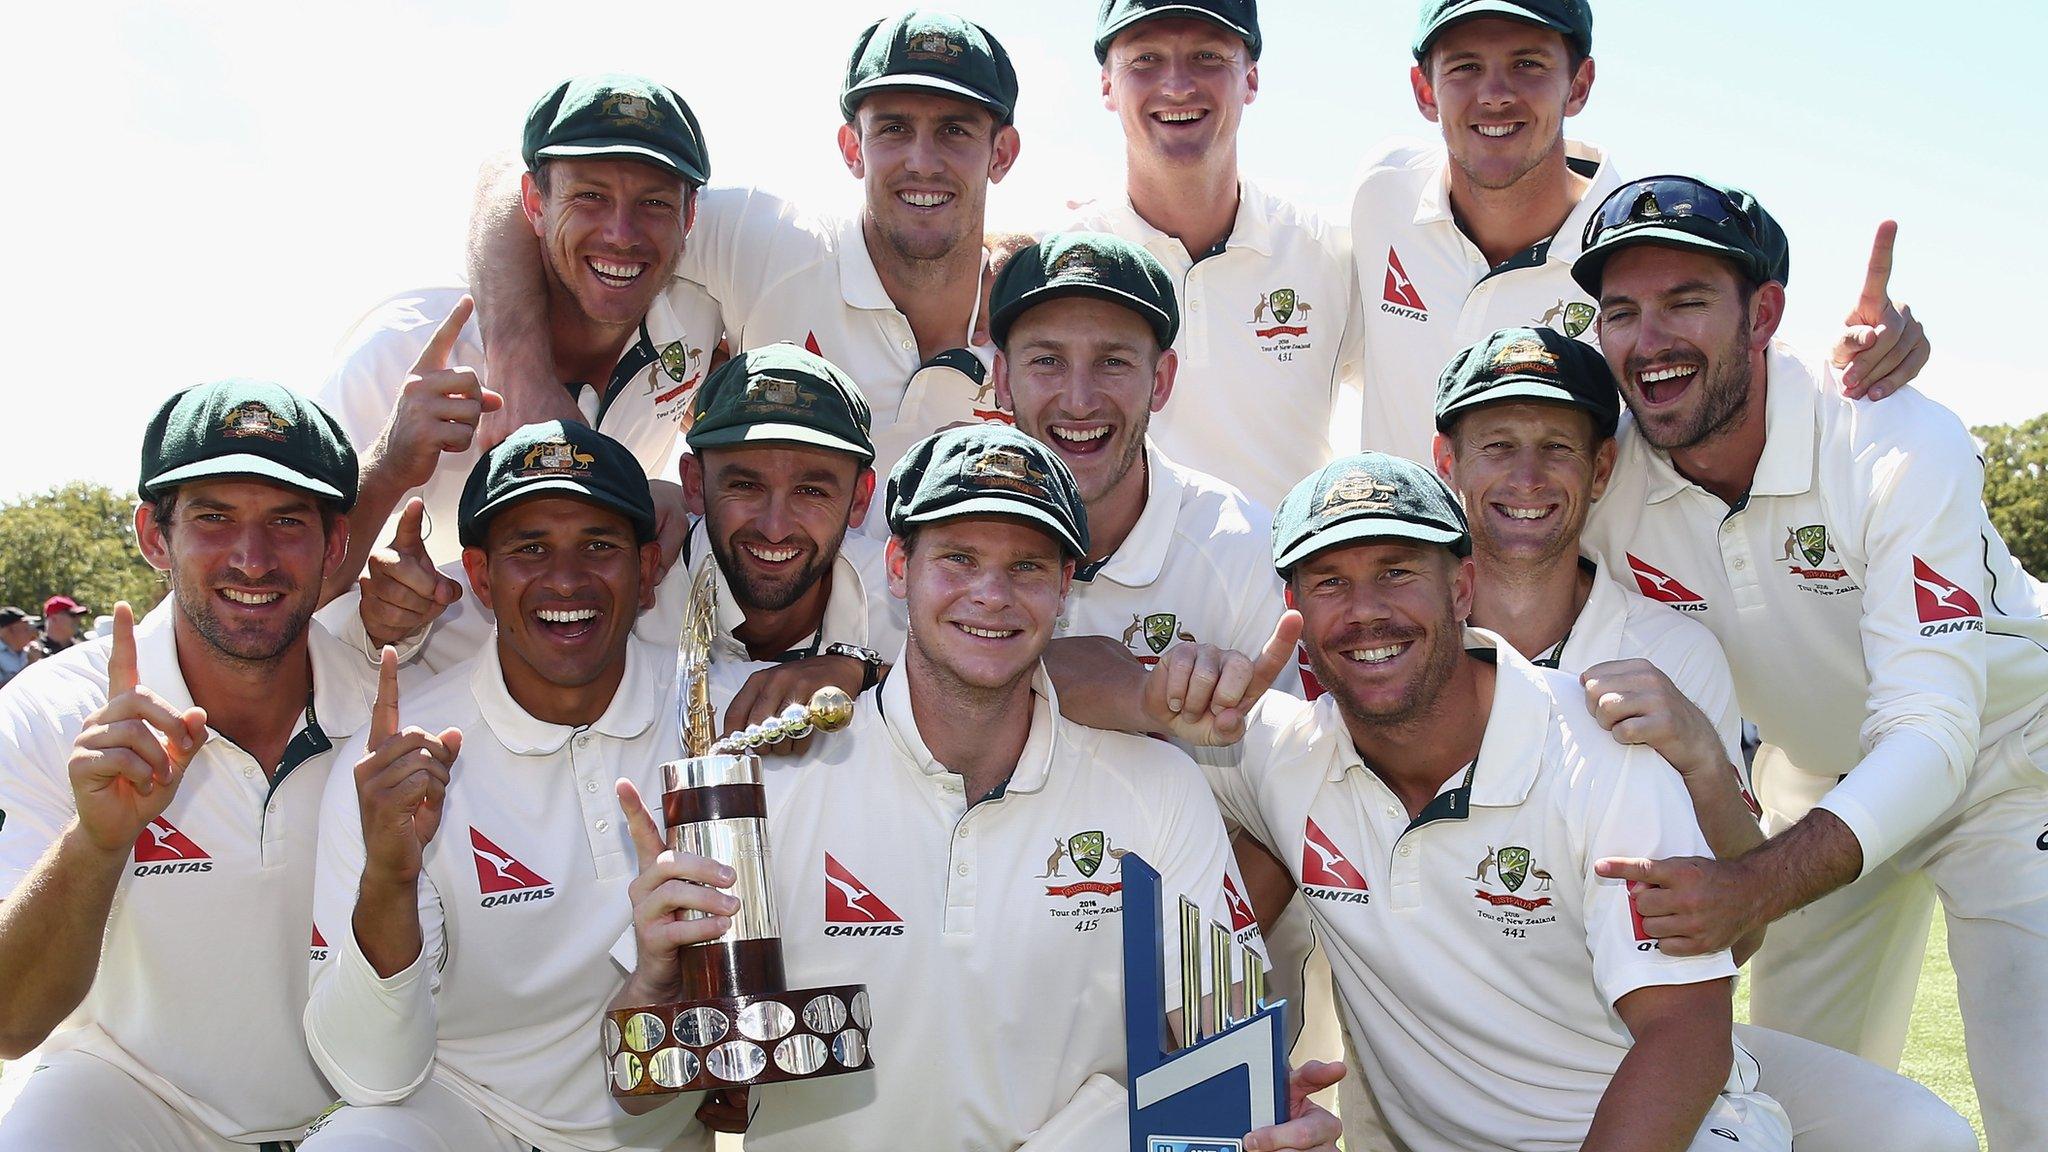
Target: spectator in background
19, 646
60, 623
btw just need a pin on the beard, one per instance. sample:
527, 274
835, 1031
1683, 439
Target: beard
248, 644
1723, 383
1419, 697
768, 595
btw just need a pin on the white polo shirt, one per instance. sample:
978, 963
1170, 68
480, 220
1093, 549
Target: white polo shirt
1426, 291
645, 405
778, 273
1198, 566
203, 972
1262, 342
1872, 617
1476, 955
988, 933
522, 895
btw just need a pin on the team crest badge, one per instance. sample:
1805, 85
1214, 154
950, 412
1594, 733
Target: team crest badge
1578, 316
555, 458
1086, 849
253, 418
1007, 468
632, 108
1810, 541
775, 392
1288, 314
1525, 356
1160, 628
1079, 260
675, 360
1282, 301
1512, 866
934, 46
1358, 492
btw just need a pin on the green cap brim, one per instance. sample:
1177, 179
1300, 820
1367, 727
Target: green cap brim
1183, 11
916, 83
624, 150
1505, 8
1002, 506
1000, 322
556, 487
243, 465
1367, 528
782, 434
1512, 388
1593, 261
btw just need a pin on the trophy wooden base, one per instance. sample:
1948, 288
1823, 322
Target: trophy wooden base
738, 1041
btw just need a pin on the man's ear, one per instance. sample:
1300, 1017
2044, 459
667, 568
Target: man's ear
863, 494
1001, 374
1251, 83
689, 210
1163, 375
1425, 93
150, 536
337, 543
650, 573
849, 150
1766, 312
1108, 99
1007, 145
1440, 453
531, 202
1603, 465
478, 569
1582, 88
897, 561
1462, 583
692, 470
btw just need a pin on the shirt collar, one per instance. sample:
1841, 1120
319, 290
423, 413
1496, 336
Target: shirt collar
846, 604
1791, 400
1434, 205
1140, 559
1033, 765
1252, 229
343, 687
633, 708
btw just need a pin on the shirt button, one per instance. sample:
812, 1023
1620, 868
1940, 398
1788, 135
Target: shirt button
273, 809
963, 833
247, 772
590, 786
909, 344
1407, 850
963, 869
1740, 564
603, 825
1194, 301
583, 741
1393, 813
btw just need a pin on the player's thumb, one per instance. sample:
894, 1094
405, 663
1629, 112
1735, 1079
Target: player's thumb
447, 591
492, 401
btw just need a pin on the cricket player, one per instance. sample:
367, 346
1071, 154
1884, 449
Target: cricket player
472, 877
1525, 438
1454, 239
911, 849
928, 99
161, 796
612, 165
1265, 286
1879, 632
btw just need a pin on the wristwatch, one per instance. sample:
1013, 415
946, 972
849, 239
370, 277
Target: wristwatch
868, 656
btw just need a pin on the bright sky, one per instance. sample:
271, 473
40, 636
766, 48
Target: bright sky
247, 178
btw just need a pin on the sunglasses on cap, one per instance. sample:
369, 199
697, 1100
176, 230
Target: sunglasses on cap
1659, 198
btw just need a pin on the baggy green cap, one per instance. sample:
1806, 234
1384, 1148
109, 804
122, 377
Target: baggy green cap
931, 52
1684, 212
1528, 364
1573, 18
560, 458
616, 116
987, 470
247, 428
1091, 264
1370, 496
1239, 17
781, 392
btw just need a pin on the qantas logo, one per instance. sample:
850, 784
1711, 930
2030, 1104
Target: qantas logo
1644, 941
1399, 296
1944, 607
318, 950
1325, 873
1241, 916
851, 909
163, 849
1659, 586
502, 879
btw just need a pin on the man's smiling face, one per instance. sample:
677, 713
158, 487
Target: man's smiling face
1179, 88
1500, 89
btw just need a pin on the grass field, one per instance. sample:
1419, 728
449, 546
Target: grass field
1934, 1044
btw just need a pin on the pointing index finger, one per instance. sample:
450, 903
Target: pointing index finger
121, 676
1278, 655
434, 356
1877, 279
384, 713
648, 842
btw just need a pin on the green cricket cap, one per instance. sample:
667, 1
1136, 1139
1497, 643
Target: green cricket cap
1370, 496
1573, 18
931, 52
1684, 212
560, 458
1091, 264
616, 116
987, 470
1528, 364
781, 392
247, 428
1238, 17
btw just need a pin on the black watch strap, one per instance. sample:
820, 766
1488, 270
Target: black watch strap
869, 658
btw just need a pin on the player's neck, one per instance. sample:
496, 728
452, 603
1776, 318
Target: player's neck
937, 296
1531, 605
1112, 518
768, 633
1415, 756
585, 350
1725, 463
1505, 222
254, 703
1195, 204
978, 733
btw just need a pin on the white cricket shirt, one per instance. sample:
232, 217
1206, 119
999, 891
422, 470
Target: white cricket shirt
1476, 955
1871, 615
1262, 341
522, 896
1426, 292
988, 934
645, 404
203, 972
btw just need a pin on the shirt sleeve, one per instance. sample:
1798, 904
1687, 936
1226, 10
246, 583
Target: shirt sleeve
1234, 770
1923, 629
732, 249
36, 732
1626, 806
374, 1037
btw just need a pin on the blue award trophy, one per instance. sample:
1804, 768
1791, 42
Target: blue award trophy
1231, 1075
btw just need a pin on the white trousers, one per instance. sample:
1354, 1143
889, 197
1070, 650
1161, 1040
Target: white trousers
75, 1102
432, 1119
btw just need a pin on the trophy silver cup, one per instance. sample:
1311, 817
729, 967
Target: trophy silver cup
738, 1022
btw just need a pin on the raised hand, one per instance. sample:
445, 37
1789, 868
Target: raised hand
1635, 701
670, 884
768, 691
400, 782
438, 408
1202, 694
1311, 1126
1690, 905
402, 590
1882, 348
128, 759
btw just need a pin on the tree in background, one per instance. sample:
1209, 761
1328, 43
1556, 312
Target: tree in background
78, 541
2016, 488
